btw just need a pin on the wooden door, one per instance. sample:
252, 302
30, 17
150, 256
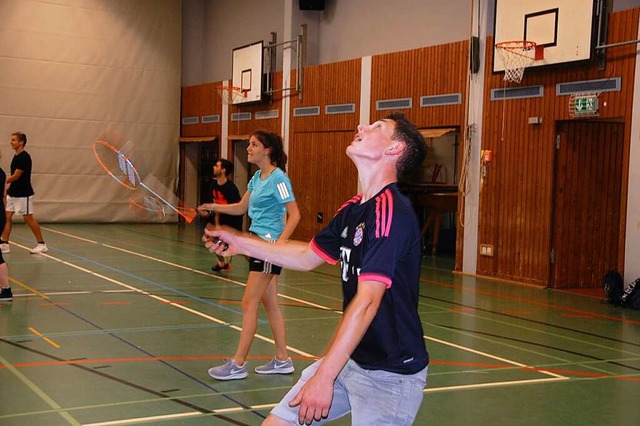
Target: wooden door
586, 202
322, 177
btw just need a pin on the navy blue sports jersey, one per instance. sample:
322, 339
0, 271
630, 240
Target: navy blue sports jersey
379, 240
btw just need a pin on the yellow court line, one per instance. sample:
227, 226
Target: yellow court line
26, 287
46, 339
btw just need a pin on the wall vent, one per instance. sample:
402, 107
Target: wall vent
394, 104
241, 116
189, 120
340, 109
263, 115
589, 86
439, 100
210, 118
517, 93
306, 111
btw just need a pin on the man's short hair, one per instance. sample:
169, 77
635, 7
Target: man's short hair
21, 137
226, 165
416, 148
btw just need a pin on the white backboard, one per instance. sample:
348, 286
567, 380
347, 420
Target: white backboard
247, 72
566, 28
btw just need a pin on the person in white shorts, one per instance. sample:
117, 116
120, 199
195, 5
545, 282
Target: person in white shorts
20, 195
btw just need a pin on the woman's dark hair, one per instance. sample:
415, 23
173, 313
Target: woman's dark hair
273, 141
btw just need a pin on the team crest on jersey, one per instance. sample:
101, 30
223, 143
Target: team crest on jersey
358, 235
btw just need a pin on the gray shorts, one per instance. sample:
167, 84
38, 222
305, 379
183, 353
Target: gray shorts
373, 397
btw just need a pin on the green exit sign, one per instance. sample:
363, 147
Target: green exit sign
586, 105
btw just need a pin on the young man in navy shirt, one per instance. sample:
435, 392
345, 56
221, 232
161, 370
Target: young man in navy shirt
376, 365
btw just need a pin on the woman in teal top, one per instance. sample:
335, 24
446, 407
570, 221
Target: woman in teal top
274, 216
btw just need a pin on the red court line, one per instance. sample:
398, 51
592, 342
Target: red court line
531, 302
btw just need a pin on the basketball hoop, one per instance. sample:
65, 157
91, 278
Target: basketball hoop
231, 94
516, 56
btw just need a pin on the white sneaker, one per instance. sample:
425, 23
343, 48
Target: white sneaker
4, 247
40, 248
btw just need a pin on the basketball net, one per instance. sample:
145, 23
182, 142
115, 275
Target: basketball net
516, 56
230, 94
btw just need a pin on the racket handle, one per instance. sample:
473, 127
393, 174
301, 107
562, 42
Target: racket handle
219, 241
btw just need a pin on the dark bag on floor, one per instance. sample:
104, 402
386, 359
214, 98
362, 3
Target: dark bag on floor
631, 296
614, 287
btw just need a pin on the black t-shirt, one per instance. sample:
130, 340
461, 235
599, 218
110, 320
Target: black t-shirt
379, 240
226, 194
22, 186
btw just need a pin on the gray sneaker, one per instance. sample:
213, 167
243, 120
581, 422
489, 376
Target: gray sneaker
276, 367
229, 371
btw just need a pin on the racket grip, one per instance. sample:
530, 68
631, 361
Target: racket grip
219, 241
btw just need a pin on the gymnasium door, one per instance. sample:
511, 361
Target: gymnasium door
586, 203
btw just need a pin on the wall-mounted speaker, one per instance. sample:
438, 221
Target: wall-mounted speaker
311, 4
475, 55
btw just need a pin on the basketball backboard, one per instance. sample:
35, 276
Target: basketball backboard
247, 72
566, 28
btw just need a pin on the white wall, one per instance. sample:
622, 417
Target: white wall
344, 30
352, 29
71, 70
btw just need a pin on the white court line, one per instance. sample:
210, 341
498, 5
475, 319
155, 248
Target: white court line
443, 342
166, 301
186, 268
463, 348
518, 364
269, 406
146, 419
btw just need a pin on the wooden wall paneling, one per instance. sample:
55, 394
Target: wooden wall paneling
199, 101
189, 108
514, 212
322, 179
329, 84
211, 104
321, 174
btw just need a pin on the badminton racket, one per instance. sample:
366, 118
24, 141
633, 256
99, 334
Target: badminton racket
119, 167
145, 204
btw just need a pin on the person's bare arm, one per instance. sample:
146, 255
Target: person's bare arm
235, 209
292, 220
290, 254
316, 395
15, 176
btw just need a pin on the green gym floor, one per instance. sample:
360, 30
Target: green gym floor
118, 324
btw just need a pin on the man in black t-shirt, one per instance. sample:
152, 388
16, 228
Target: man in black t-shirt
223, 191
5, 289
20, 195
376, 365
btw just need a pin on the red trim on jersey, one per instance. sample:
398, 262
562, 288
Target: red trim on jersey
324, 255
384, 213
375, 277
355, 199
